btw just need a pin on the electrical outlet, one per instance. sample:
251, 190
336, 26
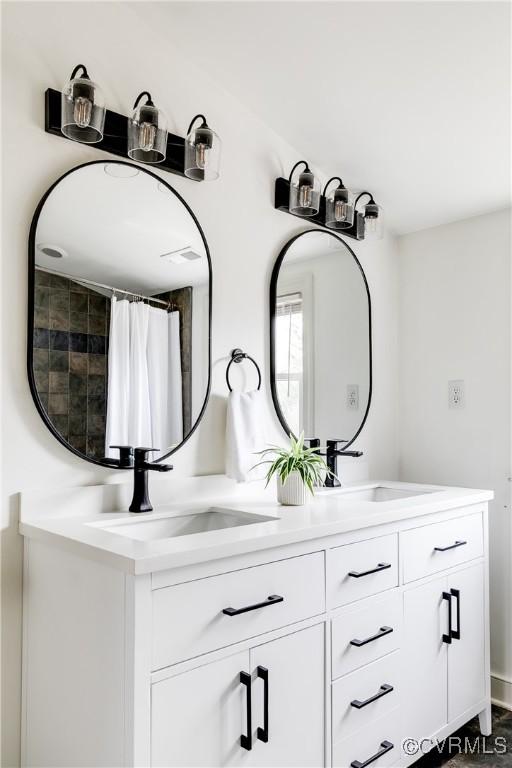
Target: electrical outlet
353, 397
456, 398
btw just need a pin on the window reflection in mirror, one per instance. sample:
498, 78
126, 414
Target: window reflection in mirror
121, 304
321, 338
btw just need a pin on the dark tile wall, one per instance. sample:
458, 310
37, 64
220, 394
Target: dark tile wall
71, 327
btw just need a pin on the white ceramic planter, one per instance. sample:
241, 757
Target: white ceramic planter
292, 492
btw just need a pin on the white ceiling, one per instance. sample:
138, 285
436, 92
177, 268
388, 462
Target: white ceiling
408, 99
114, 230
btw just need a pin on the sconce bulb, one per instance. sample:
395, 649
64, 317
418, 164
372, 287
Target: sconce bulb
201, 155
305, 197
82, 111
370, 225
147, 135
340, 210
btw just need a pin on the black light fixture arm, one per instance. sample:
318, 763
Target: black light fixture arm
204, 124
362, 194
333, 178
149, 101
301, 162
84, 72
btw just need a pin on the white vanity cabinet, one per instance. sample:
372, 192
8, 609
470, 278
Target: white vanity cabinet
445, 648
199, 716
329, 651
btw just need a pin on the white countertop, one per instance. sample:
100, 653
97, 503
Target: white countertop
330, 512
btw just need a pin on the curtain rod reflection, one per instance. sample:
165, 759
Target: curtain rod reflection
76, 279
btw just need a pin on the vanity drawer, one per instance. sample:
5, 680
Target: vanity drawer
355, 571
366, 633
189, 619
365, 695
381, 736
439, 546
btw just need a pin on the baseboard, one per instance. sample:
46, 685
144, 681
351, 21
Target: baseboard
501, 692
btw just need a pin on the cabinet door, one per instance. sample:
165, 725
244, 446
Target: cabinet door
296, 700
197, 717
466, 654
425, 658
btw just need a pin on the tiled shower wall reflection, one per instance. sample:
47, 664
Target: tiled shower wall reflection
71, 326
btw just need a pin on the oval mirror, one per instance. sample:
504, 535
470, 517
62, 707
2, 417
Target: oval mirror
119, 312
320, 338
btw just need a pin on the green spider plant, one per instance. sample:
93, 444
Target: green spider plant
306, 461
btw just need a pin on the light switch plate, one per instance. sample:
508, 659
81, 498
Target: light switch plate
353, 397
456, 396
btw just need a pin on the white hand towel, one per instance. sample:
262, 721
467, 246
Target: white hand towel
244, 435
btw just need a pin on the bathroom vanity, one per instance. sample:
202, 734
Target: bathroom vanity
234, 633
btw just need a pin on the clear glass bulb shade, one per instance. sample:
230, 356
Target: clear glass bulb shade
373, 223
339, 209
147, 135
305, 195
202, 154
82, 111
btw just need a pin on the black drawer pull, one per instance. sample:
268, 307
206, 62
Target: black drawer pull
448, 637
385, 746
271, 599
246, 740
383, 631
380, 567
383, 690
456, 632
262, 733
450, 546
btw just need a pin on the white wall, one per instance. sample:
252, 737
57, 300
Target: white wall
41, 44
455, 305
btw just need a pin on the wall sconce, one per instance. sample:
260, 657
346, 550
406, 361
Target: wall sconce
339, 210
82, 108
202, 152
79, 113
335, 209
373, 218
304, 193
147, 132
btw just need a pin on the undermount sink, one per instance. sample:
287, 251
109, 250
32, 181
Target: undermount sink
209, 519
382, 493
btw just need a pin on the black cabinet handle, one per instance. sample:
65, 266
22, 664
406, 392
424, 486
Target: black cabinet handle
380, 567
448, 637
383, 631
271, 599
385, 746
246, 740
450, 546
262, 733
383, 690
456, 632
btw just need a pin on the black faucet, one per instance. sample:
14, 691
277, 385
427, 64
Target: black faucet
140, 501
332, 453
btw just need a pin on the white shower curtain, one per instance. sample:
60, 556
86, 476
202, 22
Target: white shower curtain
144, 401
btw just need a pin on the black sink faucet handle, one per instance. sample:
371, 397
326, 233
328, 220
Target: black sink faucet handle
335, 445
141, 460
125, 455
312, 442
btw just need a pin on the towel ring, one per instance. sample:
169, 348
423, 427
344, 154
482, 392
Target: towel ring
236, 357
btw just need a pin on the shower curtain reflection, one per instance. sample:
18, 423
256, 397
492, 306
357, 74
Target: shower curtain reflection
144, 400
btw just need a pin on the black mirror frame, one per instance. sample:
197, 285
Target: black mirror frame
273, 296
30, 326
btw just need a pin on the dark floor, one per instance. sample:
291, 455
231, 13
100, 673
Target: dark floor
494, 751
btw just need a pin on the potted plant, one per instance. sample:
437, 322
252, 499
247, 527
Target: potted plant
297, 468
